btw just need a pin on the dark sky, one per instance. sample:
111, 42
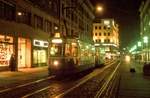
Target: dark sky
126, 13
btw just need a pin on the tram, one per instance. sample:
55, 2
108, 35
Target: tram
69, 55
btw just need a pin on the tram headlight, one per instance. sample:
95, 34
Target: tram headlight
56, 63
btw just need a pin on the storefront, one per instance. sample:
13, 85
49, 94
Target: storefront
39, 53
24, 53
6, 49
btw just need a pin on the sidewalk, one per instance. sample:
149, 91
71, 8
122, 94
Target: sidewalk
24, 75
134, 85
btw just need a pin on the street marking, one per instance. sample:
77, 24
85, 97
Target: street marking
19, 86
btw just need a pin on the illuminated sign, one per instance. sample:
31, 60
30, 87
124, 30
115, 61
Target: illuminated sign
110, 45
96, 44
40, 43
106, 22
57, 41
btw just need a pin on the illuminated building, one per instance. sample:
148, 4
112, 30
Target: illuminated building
145, 29
106, 36
26, 26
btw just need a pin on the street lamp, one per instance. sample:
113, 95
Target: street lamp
99, 8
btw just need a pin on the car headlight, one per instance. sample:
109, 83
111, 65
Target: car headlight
56, 63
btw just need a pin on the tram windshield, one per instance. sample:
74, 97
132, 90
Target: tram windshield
56, 49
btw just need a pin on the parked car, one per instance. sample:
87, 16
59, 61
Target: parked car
146, 69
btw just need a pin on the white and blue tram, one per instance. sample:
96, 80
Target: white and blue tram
70, 55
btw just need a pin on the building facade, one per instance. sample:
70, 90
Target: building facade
27, 25
145, 29
106, 36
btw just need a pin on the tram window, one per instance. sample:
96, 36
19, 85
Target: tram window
56, 49
67, 50
74, 49
71, 50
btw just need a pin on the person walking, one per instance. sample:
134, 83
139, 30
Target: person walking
12, 63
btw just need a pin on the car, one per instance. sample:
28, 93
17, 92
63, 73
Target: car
146, 69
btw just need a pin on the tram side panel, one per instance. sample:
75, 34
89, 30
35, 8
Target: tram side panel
86, 55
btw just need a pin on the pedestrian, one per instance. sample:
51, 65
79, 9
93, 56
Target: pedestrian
12, 63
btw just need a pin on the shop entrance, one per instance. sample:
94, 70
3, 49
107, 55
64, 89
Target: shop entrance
39, 57
24, 53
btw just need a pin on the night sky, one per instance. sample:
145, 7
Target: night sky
126, 13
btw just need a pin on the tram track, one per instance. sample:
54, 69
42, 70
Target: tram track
36, 87
17, 90
67, 90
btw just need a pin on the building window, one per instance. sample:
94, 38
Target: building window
104, 27
108, 40
48, 26
100, 34
38, 22
108, 34
7, 11
100, 27
6, 49
95, 27
104, 34
72, 16
100, 40
68, 13
95, 34
63, 11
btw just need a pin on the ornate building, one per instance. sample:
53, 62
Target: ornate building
106, 36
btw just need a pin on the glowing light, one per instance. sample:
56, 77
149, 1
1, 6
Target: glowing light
139, 44
133, 48
74, 43
127, 58
110, 45
19, 13
56, 28
87, 47
40, 43
57, 41
145, 38
52, 52
57, 35
99, 9
107, 22
96, 44
56, 63
93, 48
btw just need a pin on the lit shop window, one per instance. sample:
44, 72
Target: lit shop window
6, 49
